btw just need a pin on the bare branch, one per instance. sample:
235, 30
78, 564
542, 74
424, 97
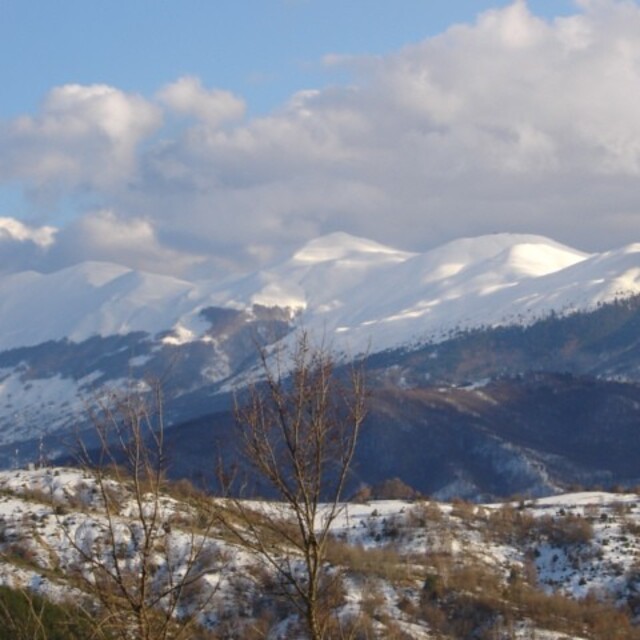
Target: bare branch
298, 434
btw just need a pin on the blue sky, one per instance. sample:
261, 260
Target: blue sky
262, 49
196, 137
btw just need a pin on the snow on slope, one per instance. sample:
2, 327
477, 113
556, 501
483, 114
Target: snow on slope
454, 285
88, 299
320, 276
367, 295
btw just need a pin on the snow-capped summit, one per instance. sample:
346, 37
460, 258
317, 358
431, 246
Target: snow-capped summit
526, 254
318, 276
343, 246
373, 295
464, 283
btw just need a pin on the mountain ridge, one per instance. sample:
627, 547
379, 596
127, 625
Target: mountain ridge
375, 296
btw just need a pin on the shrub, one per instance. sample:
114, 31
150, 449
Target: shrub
381, 562
565, 531
423, 514
362, 495
463, 510
394, 489
510, 525
24, 615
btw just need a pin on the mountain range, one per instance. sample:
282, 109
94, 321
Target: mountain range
374, 296
457, 342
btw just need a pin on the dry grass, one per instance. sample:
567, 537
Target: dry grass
385, 562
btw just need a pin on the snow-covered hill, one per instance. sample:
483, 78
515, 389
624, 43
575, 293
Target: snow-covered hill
558, 568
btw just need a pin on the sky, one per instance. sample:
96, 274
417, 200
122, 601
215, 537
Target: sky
205, 139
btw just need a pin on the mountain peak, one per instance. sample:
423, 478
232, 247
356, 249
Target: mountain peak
340, 245
489, 245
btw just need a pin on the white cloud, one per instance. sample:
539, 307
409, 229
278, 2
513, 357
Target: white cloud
23, 246
100, 235
510, 123
16, 231
103, 235
187, 96
84, 137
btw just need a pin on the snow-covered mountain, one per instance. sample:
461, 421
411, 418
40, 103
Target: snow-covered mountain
374, 296
66, 335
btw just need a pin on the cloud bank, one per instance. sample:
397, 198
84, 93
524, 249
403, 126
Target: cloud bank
512, 123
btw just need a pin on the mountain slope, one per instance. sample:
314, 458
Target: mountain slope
532, 435
471, 312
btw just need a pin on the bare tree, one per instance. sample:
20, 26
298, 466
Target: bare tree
298, 432
145, 566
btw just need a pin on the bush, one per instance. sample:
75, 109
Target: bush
471, 600
394, 489
566, 531
463, 509
424, 514
510, 525
381, 562
26, 616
